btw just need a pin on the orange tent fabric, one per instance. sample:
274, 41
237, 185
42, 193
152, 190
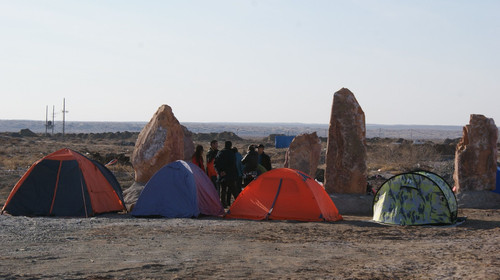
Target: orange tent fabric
284, 194
65, 183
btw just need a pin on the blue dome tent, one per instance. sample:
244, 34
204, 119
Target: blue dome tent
178, 190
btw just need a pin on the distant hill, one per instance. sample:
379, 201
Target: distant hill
242, 129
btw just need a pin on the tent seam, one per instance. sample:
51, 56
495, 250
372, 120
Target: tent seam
55, 189
275, 198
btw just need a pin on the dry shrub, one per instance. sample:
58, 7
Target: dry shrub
400, 156
10, 162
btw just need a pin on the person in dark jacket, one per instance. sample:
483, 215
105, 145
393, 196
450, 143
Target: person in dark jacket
264, 159
225, 164
250, 162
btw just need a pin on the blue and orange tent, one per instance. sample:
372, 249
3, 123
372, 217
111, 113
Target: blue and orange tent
179, 189
65, 183
284, 194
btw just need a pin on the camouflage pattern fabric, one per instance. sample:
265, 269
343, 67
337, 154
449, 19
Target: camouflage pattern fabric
415, 199
447, 191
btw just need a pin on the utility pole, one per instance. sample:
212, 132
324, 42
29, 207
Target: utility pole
53, 114
46, 118
64, 115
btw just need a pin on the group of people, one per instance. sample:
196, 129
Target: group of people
228, 170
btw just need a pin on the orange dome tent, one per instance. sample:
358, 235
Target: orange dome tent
284, 194
65, 183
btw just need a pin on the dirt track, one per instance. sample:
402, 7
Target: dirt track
123, 247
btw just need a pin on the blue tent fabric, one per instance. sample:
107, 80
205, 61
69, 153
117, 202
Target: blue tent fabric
170, 193
282, 141
497, 188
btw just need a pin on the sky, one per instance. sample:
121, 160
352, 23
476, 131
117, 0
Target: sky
429, 62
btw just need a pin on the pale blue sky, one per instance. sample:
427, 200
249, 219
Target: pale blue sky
407, 62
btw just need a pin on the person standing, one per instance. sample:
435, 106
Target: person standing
197, 157
211, 172
239, 169
250, 162
225, 165
264, 159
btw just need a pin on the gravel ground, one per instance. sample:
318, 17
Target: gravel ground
118, 246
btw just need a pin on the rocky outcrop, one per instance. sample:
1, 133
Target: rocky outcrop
303, 153
160, 142
476, 155
346, 170
188, 144
478, 200
131, 195
27, 133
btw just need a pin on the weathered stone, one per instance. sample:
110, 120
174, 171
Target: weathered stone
476, 155
188, 144
478, 200
303, 153
346, 170
160, 142
131, 195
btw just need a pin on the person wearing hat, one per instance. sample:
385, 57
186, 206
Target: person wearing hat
264, 159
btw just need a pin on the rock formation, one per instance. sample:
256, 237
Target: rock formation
476, 155
131, 195
188, 144
303, 153
160, 142
346, 170
27, 133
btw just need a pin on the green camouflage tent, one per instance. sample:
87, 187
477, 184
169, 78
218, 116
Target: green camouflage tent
415, 198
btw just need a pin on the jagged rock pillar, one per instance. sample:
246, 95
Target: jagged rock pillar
346, 170
303, 153
160, 142
476, 155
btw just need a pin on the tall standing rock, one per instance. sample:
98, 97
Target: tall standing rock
476, 155
303, 153
346, 147
188, 144
160, 142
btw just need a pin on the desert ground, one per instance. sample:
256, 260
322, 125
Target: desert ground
119, 246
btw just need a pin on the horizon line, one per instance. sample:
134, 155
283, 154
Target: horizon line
237, 122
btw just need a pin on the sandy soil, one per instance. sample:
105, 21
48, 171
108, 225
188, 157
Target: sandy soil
118, 246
